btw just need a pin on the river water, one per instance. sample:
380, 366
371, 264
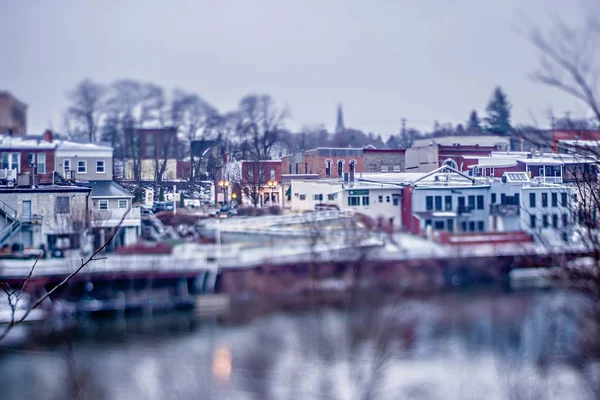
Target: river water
463, 345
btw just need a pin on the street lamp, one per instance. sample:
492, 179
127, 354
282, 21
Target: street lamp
271, 185
224, 185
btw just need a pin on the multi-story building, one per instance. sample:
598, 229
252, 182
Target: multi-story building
30, 163
250, 183
327, 162
383, 160
430, 157
28, 158
84, 161
13, 115
150, 152
52, 216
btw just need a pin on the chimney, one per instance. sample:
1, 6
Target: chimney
48, 136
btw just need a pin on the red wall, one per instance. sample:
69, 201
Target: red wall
572, 135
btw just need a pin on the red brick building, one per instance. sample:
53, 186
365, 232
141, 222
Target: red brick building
327, 162
250, 182
559, 135
28, 157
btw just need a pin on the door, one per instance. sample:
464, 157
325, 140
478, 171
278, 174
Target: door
26, 210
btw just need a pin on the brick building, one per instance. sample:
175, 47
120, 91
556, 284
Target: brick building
250, 183
24, 158
383, 160
327, 162
13, 114
144, 148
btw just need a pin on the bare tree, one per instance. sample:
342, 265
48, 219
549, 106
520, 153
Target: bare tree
87, 107
259, 125
568, 57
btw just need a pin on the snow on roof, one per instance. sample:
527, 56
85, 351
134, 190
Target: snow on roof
68, 145
463, 141
13, 142
391, 177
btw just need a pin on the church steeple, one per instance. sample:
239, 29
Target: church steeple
339, 127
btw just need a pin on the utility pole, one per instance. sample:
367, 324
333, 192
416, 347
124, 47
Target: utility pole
174, 199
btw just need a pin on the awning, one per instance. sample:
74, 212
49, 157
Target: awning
288, 192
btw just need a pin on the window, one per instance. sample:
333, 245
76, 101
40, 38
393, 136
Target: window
272, 176
62, 205
438, 225
532, 200
532, 221
396, 200
384, 168
290, 168
563, 199
554, 199
103, 204
492, 171
544, 199
480, 226
472, 226
41, 163
396, 168
30, 159
100, 167
122, 203
82, 166
302, 197
447, 203
541, 171
494, 197
297, 169
463, 226
353, 201
340, 167
387, 199
450, 225
66, 168
427, 222
365, 200
429, 203
318, 197
555, 220
438, 203
471, 202
331, 196
11, 161
306, 168
380, 198
565, 220
480, 202
516, 199
545, 220
328, 167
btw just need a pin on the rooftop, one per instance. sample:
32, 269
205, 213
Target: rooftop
483, 140
108, 189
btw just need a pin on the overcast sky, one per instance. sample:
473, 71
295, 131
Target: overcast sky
383, 60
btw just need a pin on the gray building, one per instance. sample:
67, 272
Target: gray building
112, 206
84, 161
54, 217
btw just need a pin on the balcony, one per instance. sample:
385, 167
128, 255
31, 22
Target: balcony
110, 218
549, 179
464, 210
505, 210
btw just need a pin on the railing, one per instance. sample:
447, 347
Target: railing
7, 211
8, 174
549, 179
112, 217
7, 232
505, 210
464, 210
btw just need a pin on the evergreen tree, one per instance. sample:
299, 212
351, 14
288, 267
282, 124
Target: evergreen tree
474, 123
392, 143
498, 113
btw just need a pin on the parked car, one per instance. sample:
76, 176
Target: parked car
226, 211
159, 206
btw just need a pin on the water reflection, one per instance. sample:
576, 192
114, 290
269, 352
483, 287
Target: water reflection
452, 346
